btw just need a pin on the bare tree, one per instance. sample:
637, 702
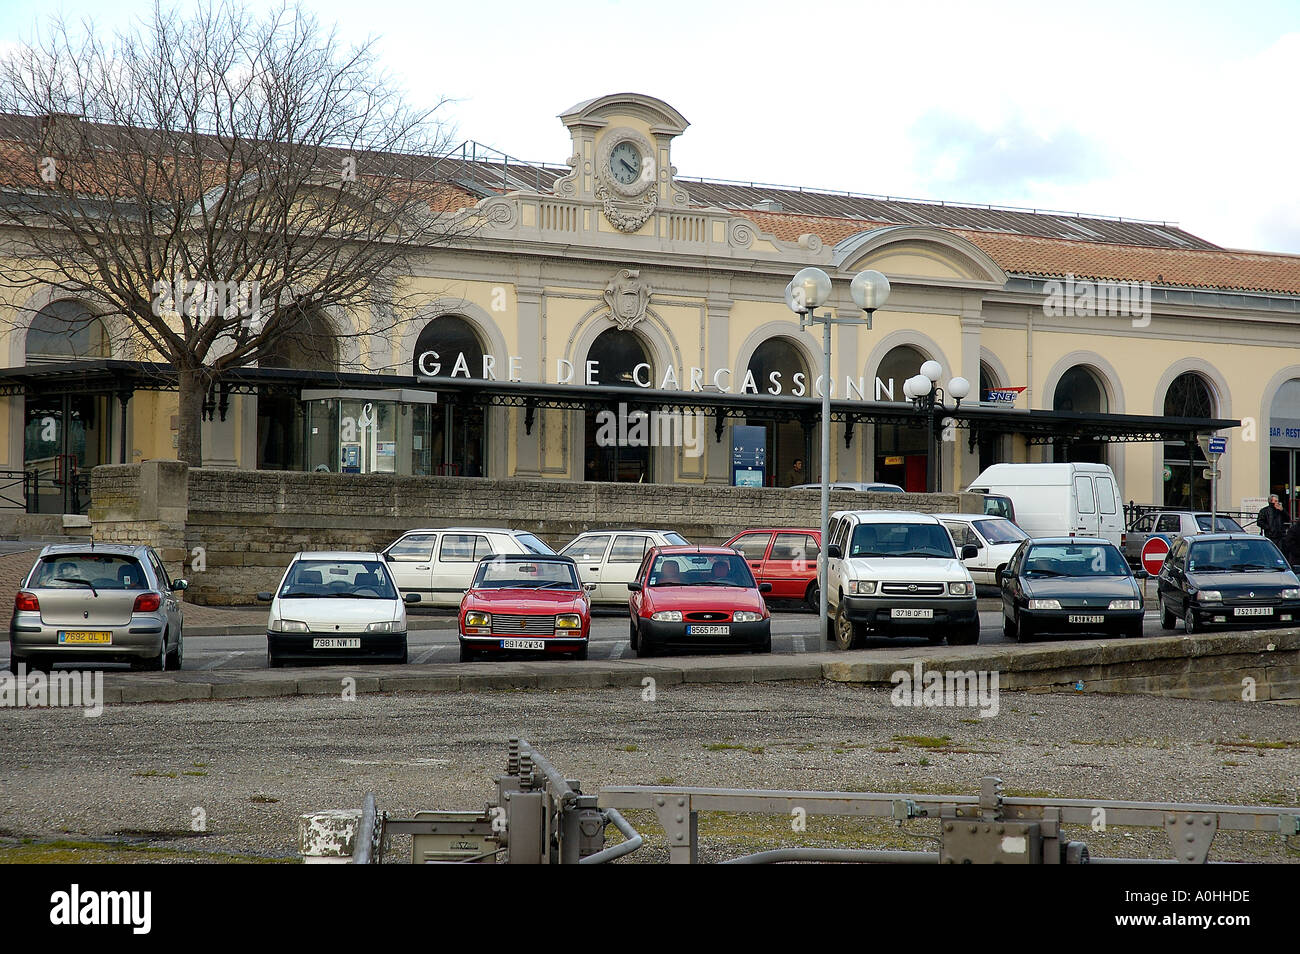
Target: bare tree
218, 182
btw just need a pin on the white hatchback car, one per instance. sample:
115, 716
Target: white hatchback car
336, 605
608, 559
996, 538
439, 563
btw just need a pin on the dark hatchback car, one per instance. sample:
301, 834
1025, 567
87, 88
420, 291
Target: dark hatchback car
1070, 585
1226, 579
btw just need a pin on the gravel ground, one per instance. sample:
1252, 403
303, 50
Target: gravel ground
138, 773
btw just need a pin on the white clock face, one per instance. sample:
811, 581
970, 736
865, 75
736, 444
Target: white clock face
625, 163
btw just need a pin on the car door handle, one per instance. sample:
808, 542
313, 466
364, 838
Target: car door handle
593, 568
422, 567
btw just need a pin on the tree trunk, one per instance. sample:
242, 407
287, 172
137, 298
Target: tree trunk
189, 438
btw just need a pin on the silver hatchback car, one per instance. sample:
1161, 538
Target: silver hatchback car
101, 603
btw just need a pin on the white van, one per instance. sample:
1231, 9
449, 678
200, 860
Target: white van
1059, 500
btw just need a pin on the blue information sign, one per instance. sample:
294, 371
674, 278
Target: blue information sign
748, 455
1218, 445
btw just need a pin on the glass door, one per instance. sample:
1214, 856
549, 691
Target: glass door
66, 435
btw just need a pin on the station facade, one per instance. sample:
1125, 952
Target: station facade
607, 319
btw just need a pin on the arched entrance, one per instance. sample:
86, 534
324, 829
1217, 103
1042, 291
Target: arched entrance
66, 432
611, 453
1186, 485
282, 420
449, 439
774, 365
1284, 446
900, 448
1081, 391
991, 446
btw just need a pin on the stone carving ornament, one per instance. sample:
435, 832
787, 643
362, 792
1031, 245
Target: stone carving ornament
627, 296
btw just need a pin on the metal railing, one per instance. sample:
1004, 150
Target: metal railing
1135, 511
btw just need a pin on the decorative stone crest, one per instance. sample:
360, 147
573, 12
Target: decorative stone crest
627, 296
626, 215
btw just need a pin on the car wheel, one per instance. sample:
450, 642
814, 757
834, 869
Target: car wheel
967, 635
766, 645
15, 662
1190, 624
156, 663
632, 634
176, 658
935, 639
1167, 618
272, 660
1133, 630
847, 633
581, 653
813, 598
1024, 631
830, 623
1009, 628
645, 648
466, 654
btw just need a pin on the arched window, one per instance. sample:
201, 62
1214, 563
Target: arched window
65, 330
1080, 391
991, 445
449, 438
900, 448
308, 343
774, 365
1185, 483
448, 346
1284, 446
616, 354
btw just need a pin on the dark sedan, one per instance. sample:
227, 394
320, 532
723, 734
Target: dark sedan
1227, 579
1070, 585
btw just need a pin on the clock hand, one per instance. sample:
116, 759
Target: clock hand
627, 166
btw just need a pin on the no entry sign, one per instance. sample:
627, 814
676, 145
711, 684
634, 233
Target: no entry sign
1153, 555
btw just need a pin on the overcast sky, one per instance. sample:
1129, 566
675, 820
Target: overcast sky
1179, 111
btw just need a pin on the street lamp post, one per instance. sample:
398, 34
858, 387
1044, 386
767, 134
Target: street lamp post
807, 291
923, 391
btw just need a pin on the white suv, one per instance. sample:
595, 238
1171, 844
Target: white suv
895, 573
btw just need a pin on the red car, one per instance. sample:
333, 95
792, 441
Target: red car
697, 597
525, 603
786, 557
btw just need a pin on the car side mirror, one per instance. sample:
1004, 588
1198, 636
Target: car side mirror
634, 587
765, 587
997, 576
833, 552
969, 551
264, 597
590, 587
1142, 574
412, 597
178, 585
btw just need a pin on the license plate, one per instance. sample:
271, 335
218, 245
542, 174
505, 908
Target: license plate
708, 630
336, 642
1087, 619
911, 614
1252, 611
523, 644
80, 637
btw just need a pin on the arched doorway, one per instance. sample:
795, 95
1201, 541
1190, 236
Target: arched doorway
1186, 485
774, 365
1081, 391
1284, 446
900, 448
607, 455
991, 446
67, 430
449, 439
282, 420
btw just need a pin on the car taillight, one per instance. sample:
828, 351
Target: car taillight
1123, 539
27, 602
147, 603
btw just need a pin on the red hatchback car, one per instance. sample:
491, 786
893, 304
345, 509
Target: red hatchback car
525, 603
786, 557
697, 597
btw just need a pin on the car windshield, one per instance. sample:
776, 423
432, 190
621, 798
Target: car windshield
345, 579
701, 569
901, 540
1242, 556
103, 571
1221, 524
1000, 531
526, 575
1084, 559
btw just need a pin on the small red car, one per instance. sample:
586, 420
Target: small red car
786, 557
697, 597
525, 603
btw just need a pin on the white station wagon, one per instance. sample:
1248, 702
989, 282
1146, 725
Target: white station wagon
439, 563
607, 560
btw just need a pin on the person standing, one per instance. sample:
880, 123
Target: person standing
1291, 543
1272, 521
796, 473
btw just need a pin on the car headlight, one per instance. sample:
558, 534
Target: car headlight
1209, 596
1044, 604
288, 626
745, 616
667, 616
1125, 604
568, 621
1291, 594
391, 626
862, 587
959, 589
478, 619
